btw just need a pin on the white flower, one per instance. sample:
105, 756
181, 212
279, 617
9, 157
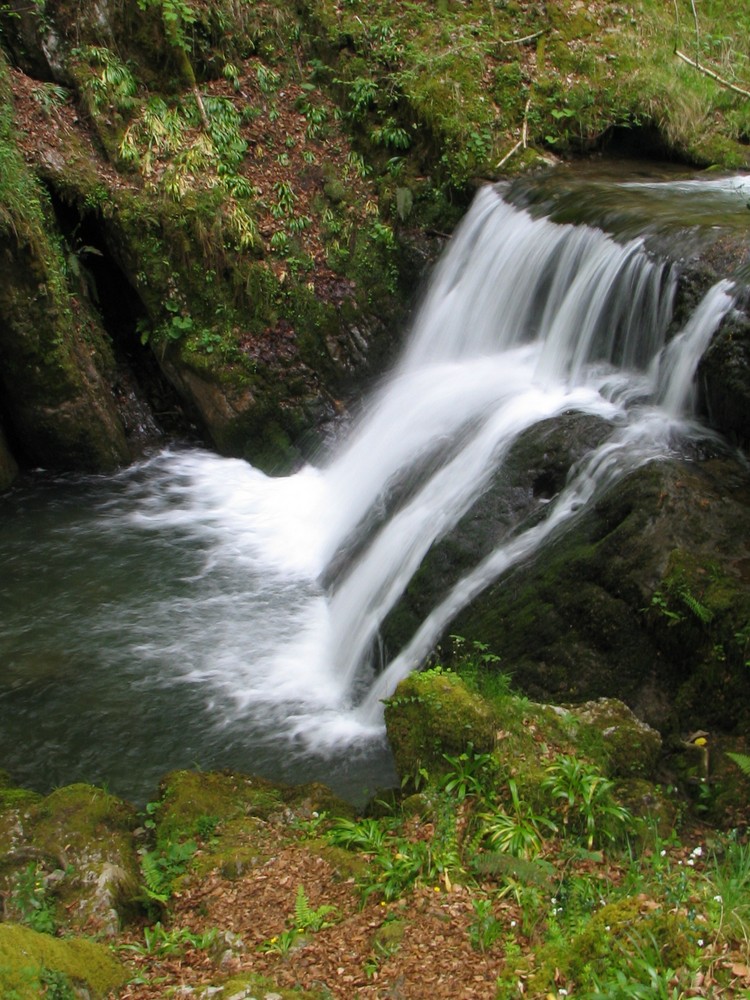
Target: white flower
697, 851
718, 899
690, 861
700, 942
664, 853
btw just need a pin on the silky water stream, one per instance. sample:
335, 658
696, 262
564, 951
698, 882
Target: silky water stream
192, 612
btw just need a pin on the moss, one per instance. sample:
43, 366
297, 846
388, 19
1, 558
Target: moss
631, 928
238, 819
84, 835
25, 958
434, 713
629, 748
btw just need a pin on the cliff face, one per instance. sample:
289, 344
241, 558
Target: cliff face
213, 215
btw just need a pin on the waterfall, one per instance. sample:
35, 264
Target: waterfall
262, 598
523, 320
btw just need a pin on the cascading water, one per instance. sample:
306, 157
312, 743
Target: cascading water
224, 618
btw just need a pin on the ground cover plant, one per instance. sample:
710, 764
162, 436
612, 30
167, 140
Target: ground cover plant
525, 870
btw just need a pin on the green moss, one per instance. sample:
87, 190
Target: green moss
26, 956
627, 931
433, 713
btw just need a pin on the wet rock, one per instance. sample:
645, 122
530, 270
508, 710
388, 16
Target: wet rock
645, 597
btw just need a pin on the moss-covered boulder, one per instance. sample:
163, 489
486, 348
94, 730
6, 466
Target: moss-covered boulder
34, 965
56, 364
631, 748
434, 713
646, 597
72, 854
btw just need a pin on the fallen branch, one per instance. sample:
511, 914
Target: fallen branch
523, 141
710, 72
520, 41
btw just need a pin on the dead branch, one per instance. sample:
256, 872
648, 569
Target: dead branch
709, 72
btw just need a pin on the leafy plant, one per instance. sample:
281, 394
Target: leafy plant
517, 830
363, 835
308, 919
162, 867
471, 773
585, 799
32, 900
158, 940
742, 760
279, 944
484, 928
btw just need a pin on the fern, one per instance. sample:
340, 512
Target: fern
698, 609
742, 760
161, 868
308, 919
153, 877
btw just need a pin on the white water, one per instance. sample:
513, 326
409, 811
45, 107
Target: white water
524, 320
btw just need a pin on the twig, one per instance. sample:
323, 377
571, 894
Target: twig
523, 141
520, 41
508, 155
710, 72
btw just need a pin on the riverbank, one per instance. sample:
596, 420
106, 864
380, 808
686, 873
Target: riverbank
531, 851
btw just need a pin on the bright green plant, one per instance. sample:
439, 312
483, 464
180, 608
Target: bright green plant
160, 941
485, 928
308, 919
727, 881
108, 82
518, 830
471, 773
742, 760
285, 200
585, 800
279, 944
362, 835
162, 867
32, 900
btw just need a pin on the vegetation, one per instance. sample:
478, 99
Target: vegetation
518, 869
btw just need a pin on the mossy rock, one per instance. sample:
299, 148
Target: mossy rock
627, 927
80, 841
630, 748
236, 819
434, 713
647, 801
31, 964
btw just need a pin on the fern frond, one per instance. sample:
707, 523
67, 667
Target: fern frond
742, 760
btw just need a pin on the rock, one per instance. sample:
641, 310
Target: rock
75, 850
631, 747
645, 597
431, 714
27, 959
